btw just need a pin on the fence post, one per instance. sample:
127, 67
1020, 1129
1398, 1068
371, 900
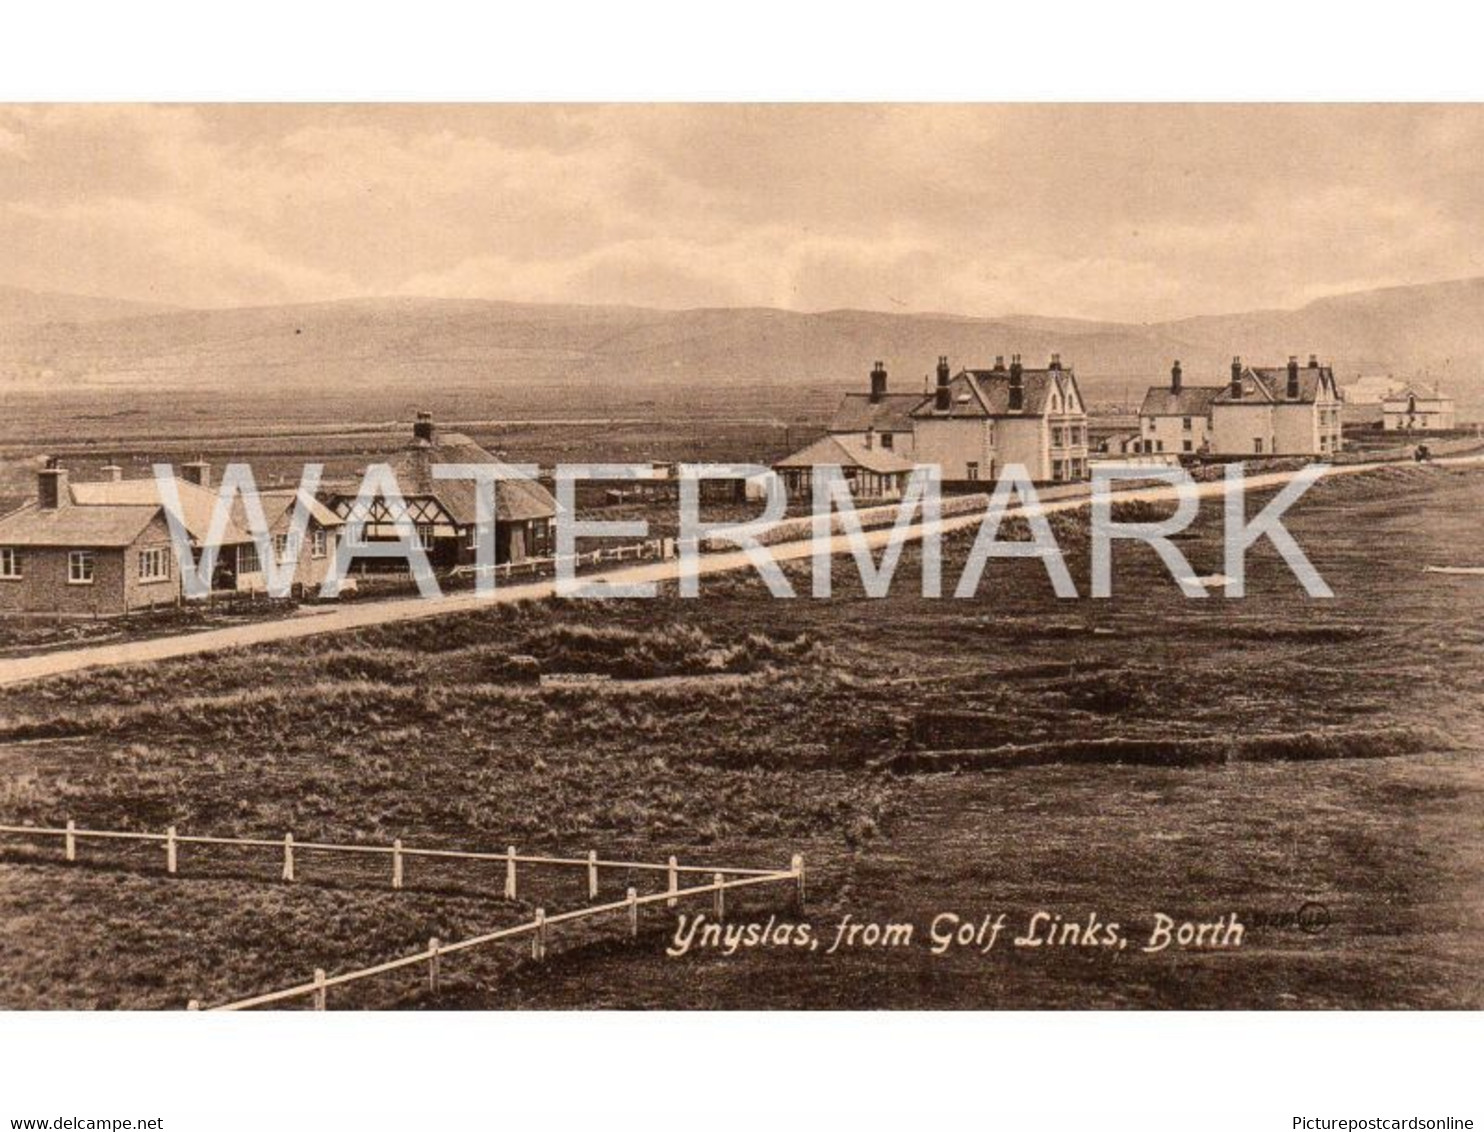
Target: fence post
538, 940
510, 872
721, 896
633, 898
71, 842
319, 988
397, 863
288, 856
592, 874
674, 884
170, 851
798, 870
433, 945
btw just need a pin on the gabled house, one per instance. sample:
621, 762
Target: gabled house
445, 511
1277, 411
1176, 418
980, 420
1417, 407
103, 548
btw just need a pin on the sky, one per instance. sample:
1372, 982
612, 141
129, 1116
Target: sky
1128, 213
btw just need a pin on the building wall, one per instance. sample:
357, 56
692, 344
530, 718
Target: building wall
1234, 426
44, 588
1024, 440
1429, 414
953, 444
1296, 429
902, 441
139, 594
1170, 436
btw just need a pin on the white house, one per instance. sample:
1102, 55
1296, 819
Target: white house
981, 420
1417, 407
1176, 418
1277, 411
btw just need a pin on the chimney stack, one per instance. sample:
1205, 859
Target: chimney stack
1017, 390
1313, 361
51, 486
941, 402
197, 472
999, 363
1293, 389
422, 428
1175, 377
112, 473
1055, 362
878, 383
1236, 379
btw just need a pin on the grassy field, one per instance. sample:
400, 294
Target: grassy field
1008, 753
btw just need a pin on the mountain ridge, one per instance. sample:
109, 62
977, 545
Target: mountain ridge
1432, 329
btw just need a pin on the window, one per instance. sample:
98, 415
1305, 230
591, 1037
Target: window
1056, 469
1056, 438
1159, 445
887, 440
425, 536
286, 549
1188, 446
972, 470
80, 565
1257, 445
247, 559
319, 543
1185, 423
10, 562
154, 565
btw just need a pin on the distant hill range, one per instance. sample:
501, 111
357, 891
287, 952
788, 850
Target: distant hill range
58, 341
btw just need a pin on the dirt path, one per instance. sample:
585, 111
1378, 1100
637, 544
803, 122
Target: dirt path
365, 614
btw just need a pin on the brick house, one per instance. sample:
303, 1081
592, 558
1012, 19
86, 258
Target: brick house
103, 548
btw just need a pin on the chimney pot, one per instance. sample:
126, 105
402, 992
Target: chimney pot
422, 427
999, 363
1313, 361
1055, 362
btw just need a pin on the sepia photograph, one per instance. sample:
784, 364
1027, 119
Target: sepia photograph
381, 732
466, 560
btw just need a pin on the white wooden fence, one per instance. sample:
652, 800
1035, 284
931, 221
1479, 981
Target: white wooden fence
722, 880
538, 929
654, 549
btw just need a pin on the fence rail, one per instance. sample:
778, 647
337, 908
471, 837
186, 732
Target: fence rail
537, 929
723, 880
71, 834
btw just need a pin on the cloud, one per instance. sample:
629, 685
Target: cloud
1129, 212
